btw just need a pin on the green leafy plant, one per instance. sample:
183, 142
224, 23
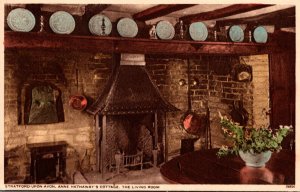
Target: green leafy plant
254, 140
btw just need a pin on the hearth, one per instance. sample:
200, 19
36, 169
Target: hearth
130, 103
48, 162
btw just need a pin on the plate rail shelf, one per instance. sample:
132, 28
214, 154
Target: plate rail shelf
106, 44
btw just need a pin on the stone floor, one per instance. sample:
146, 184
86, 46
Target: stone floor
145, 176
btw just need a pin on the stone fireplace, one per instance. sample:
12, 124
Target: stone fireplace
128, 110
48, 162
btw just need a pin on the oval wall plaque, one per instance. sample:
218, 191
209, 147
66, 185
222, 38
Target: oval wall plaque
21, 20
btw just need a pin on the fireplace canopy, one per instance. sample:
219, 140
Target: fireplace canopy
130, 90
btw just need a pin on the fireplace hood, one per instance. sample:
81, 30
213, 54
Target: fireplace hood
130, 90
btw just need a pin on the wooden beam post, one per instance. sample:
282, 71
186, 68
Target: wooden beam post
166, 138
155, 130
103, 146
156, 147
97, 143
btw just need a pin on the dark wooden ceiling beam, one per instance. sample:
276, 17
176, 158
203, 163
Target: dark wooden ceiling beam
93, 9
223, 12
159, 10
281, 18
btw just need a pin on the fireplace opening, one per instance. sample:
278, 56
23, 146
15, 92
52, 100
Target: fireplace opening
130, 135
48, 162
47, 168
133, 142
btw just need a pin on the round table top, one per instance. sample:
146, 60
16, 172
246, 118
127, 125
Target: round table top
204, 167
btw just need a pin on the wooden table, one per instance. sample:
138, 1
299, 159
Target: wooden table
204, 167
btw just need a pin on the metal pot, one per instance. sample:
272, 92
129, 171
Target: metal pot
78, 102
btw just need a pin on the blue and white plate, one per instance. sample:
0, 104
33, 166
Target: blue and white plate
100, 25
260, 35
127, 27
198, 31
21, 20
165, 30
62, 22
236, 33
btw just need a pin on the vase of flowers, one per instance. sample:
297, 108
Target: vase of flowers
254, 145
255, 159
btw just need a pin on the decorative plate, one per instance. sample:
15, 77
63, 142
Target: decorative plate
165, 30
127, 27
236, 33
62, 22
21, 20
198, 31
100, 25
260, 35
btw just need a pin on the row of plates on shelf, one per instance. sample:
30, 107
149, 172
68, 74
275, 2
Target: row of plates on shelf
62, 22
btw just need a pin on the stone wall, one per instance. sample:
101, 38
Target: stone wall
166, 73
216, 90
58, 68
